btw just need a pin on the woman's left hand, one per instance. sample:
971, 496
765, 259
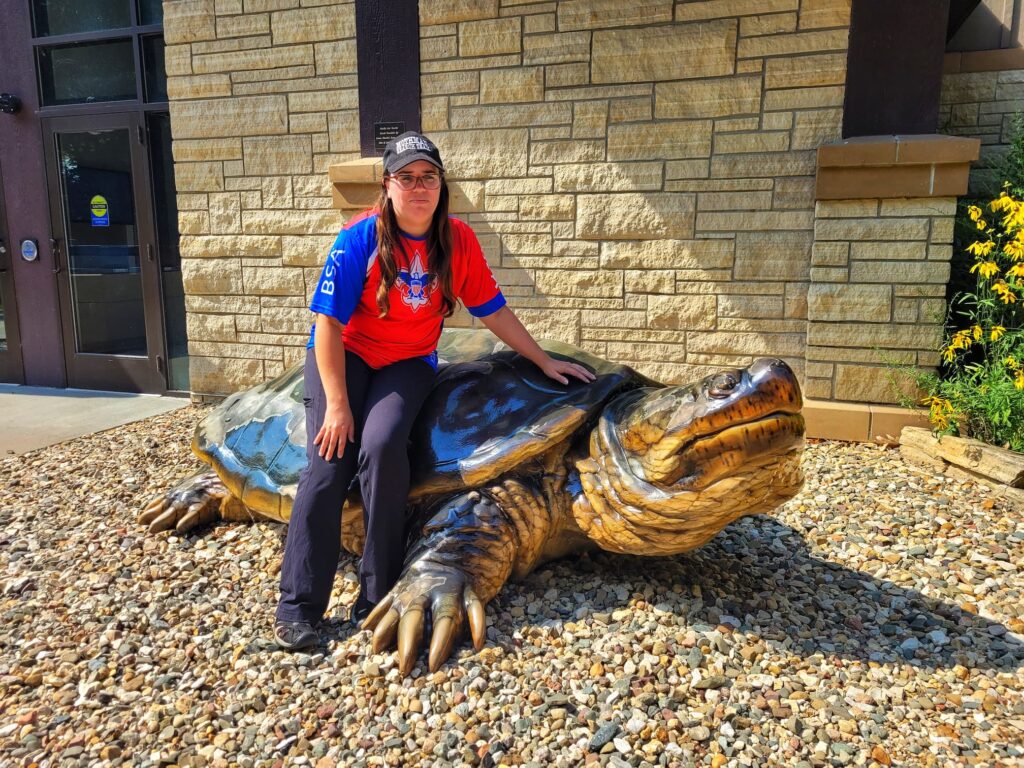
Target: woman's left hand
559, 369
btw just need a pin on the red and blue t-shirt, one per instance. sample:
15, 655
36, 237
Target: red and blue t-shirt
347, 291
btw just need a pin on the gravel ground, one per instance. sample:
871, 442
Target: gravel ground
875, 620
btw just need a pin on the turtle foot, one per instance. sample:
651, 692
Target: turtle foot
442, 591
199, 499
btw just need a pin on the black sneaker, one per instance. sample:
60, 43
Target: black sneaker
295, 635
361, 610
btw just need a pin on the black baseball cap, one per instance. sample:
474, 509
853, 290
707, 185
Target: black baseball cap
408, 148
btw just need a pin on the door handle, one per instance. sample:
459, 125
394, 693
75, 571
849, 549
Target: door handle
55, 249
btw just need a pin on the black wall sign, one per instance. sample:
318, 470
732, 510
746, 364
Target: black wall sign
385, 132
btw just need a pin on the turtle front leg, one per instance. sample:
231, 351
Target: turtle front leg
468, 550
198, 499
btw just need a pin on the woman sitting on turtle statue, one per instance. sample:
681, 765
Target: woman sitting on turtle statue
393, 275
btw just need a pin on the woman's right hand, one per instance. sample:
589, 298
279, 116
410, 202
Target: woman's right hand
337, 429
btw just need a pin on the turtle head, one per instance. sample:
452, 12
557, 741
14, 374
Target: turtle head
670, 467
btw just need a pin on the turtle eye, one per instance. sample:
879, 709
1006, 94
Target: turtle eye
723, 385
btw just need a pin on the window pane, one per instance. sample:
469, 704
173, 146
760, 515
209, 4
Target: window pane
102, 242
151, 12
62, 17
166, 204
153, 65
87, 72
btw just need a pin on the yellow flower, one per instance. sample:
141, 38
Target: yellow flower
985, 268
1005, 294
949, 354
1017, 270
1012, 363
1018, 381
1015, 248
1001, 203
981, 249
974, 212
996, 332
976, 332
981, 224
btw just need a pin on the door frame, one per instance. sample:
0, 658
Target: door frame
127, 373
12, 369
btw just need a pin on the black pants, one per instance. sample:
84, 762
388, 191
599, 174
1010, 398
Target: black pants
384, 405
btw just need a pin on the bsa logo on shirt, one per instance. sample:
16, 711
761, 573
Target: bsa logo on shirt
416, 284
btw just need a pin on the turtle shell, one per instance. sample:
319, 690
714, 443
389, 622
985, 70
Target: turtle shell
484, 416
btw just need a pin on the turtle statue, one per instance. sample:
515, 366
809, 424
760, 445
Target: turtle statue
511, 469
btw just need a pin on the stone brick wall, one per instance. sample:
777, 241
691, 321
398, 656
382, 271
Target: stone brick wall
981, 105
263, 99
879, 270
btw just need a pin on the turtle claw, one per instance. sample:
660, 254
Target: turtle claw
196, 500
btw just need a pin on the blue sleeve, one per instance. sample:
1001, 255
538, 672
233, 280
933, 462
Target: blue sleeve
341, 283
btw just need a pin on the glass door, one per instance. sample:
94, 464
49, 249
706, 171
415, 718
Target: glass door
107, 273
10, 348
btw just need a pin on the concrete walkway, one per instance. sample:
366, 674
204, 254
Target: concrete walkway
35, 417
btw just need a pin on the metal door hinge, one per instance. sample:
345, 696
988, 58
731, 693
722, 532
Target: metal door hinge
149, 251
160, 366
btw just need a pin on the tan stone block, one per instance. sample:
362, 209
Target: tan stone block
186, 21
290, 222
777, 121
927, 206
800, 42
871, 229
794, 193
260, 58
750, 307
225, 213
451, 11
653, 53
512, 115
635, 216
335, 58
199, 150
305, 250
846, 209
193, 222
273, 281
584, 284
576, 248
633, 352
233, 168
806, 71
548, 207
229, 117
527, 244
305, 25
242, 26
816, 127
323, 101
566, 75
311, 122
830, 254
904, 311
221, 376
737, 124
708, 98
667, 254
942, 231
804, 98
483, 154
613, 318
630, 110
448, 83
850, 303
733, 201
549, 133
193, 201
756, 344
940, 252
219, 246
558, 48
650, 281
607, 177
511, 85
439, 47
234, 305
685, 169
285, 320
769, 24
343, 128
718, 9
824, 13
869, 384
590, 119
767, 165
211, 276
908, 251
490, 37
661, 140
548, 324
199, 177
198, 86
276, 192
273, 155
204, 327
694, 313
759, 141
602, 14
739, 221
968, 87
874, 335
178, 60
554, 152
772, 255
899, 271
540, 22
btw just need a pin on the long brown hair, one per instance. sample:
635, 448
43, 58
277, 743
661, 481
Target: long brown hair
439, 250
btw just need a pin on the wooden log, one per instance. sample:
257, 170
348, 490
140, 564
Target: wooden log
998, 464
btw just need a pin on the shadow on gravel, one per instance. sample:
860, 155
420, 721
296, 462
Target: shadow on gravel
762, 573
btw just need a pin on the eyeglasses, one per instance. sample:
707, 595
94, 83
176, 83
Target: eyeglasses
408, 182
